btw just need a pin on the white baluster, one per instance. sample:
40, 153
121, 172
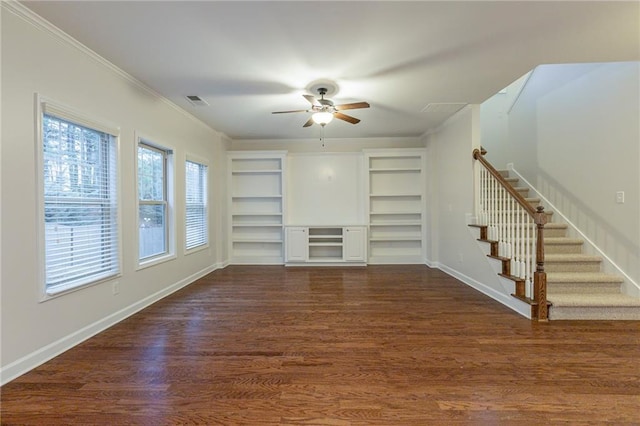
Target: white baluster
523, 243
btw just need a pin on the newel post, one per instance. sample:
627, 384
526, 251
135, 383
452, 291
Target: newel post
540, 276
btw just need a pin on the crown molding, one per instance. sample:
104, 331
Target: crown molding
27, 15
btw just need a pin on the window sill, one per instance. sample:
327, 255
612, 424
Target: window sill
155, 261
196, 249
62, 289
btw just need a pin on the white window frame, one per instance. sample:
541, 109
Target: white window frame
170, 227
206, 244
46, 106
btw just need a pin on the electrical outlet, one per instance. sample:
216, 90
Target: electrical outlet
115, 287
620, 197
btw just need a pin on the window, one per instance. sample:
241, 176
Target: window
153, 201
79, 176
196, 205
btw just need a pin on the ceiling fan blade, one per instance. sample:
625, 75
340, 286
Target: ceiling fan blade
309, 122
346, 117
286, 112
312, 100
354, 105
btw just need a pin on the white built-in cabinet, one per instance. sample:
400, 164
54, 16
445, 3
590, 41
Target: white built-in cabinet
392, 231
325, 244
257, 207
296, 243
395, 187
355, 244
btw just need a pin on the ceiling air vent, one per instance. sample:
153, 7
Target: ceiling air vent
444, 108
196, 100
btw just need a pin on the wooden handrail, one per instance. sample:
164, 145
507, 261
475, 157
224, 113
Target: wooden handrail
496, 174
540, 219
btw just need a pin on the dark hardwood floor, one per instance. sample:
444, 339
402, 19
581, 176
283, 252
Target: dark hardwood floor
381, 345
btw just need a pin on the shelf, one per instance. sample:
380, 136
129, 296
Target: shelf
393, 212
256, 214
252, 172
397, 238
325, 244
325, 252
326, 259
256, 196
256, 193
395, 249
256, 225
397, 195
257, 240
395, 169
245, 161
258, 206
319, 232
396, 223
395, 162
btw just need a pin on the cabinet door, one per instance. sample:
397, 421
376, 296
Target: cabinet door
297, 245
354, 244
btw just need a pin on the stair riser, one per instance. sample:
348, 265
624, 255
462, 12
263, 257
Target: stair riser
594, 313
583, 288
555, 232
563, 248
572, 266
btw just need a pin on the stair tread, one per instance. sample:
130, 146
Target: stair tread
603, 299
582, 277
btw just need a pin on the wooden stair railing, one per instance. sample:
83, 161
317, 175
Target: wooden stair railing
505, 219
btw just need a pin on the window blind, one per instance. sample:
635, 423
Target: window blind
80, 204
196, 205
152, 202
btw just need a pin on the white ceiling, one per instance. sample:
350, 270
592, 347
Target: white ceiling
247, 59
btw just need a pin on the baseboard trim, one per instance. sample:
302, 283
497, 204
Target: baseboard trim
29, 362
504, 299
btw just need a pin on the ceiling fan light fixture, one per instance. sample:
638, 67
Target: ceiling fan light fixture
322, 118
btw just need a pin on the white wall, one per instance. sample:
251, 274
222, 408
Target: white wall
330, 144
452, 244
575, 135
494, 117
325, 189
36, 59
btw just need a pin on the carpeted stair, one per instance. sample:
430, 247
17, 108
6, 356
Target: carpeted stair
576, 287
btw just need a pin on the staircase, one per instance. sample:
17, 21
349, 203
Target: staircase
576, 287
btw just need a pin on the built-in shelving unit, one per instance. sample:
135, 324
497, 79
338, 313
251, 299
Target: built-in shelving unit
325, 244
395, 184
256, 207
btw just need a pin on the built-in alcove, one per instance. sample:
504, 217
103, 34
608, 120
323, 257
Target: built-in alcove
327, 207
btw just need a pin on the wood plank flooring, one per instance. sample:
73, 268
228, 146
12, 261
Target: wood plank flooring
381, 345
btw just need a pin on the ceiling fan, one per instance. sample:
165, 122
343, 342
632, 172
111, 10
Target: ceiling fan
324, 110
